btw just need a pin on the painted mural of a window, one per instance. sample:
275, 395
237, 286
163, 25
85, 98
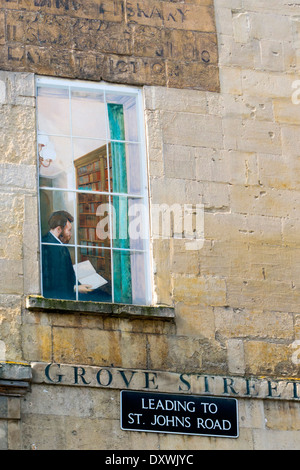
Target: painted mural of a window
92, 192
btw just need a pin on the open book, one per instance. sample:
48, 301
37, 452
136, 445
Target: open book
86, 274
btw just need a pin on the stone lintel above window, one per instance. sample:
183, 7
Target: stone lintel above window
39, 303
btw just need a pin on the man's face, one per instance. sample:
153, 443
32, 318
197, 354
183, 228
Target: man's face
66, 233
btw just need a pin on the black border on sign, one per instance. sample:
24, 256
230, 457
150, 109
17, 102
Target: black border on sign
181, 433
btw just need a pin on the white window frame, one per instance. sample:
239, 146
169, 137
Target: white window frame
106, 88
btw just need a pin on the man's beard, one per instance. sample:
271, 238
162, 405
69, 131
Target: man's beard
64, 238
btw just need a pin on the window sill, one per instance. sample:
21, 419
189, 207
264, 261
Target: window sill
39, 303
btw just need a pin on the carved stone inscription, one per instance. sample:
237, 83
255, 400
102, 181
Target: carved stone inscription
159, 42
166, 382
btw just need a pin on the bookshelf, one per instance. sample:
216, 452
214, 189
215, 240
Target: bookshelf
92, 175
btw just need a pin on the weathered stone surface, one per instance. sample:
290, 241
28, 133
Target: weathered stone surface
235, 299
126, 42
231, 323
38, 303
208, 291
14, 382
88, 378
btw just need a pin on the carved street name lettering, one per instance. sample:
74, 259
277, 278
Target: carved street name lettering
170, 382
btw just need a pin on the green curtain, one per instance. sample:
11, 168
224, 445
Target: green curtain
121, 259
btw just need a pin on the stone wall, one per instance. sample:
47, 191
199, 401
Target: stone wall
146, 42
237, 309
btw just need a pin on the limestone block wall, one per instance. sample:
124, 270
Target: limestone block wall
18, 195
236, 299
237, 153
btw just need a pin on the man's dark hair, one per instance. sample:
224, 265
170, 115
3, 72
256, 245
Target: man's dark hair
59, 219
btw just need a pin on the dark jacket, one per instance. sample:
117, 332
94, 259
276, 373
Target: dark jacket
58, 274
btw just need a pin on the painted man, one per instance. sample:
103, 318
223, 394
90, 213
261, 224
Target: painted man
59, 280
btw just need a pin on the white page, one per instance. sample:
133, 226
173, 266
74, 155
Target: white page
85, 268
94, 280
86, 274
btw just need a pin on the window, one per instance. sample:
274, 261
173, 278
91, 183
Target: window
92, 192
